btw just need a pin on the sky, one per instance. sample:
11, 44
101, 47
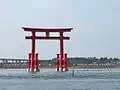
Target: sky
95, 23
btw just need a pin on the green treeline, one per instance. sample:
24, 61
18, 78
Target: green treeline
83, 60
91, 60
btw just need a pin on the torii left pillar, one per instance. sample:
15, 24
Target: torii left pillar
33, 65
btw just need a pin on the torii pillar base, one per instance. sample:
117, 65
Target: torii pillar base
61, 63
33, 65
33, 70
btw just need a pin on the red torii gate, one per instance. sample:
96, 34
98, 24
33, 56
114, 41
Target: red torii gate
61, 60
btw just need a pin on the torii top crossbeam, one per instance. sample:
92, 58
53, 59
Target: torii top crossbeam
47, 29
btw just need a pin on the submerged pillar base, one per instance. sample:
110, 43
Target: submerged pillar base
65, 69
36, 70
57, 69
61, 69
32, 70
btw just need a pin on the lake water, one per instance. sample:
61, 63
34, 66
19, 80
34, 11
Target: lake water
48, 79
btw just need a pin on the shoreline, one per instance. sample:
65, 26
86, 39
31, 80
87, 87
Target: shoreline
68, 68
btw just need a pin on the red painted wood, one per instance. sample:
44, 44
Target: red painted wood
47, 29
47, 38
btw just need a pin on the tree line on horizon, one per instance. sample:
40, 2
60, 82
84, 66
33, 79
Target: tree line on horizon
91, 60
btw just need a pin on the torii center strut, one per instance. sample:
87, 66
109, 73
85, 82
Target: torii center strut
61, 60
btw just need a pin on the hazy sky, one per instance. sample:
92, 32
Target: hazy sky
96, 27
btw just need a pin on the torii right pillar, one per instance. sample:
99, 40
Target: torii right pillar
61, 60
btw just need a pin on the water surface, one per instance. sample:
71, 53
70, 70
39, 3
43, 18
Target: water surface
48, 79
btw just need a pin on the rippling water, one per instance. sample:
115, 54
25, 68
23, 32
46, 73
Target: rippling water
48, 79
